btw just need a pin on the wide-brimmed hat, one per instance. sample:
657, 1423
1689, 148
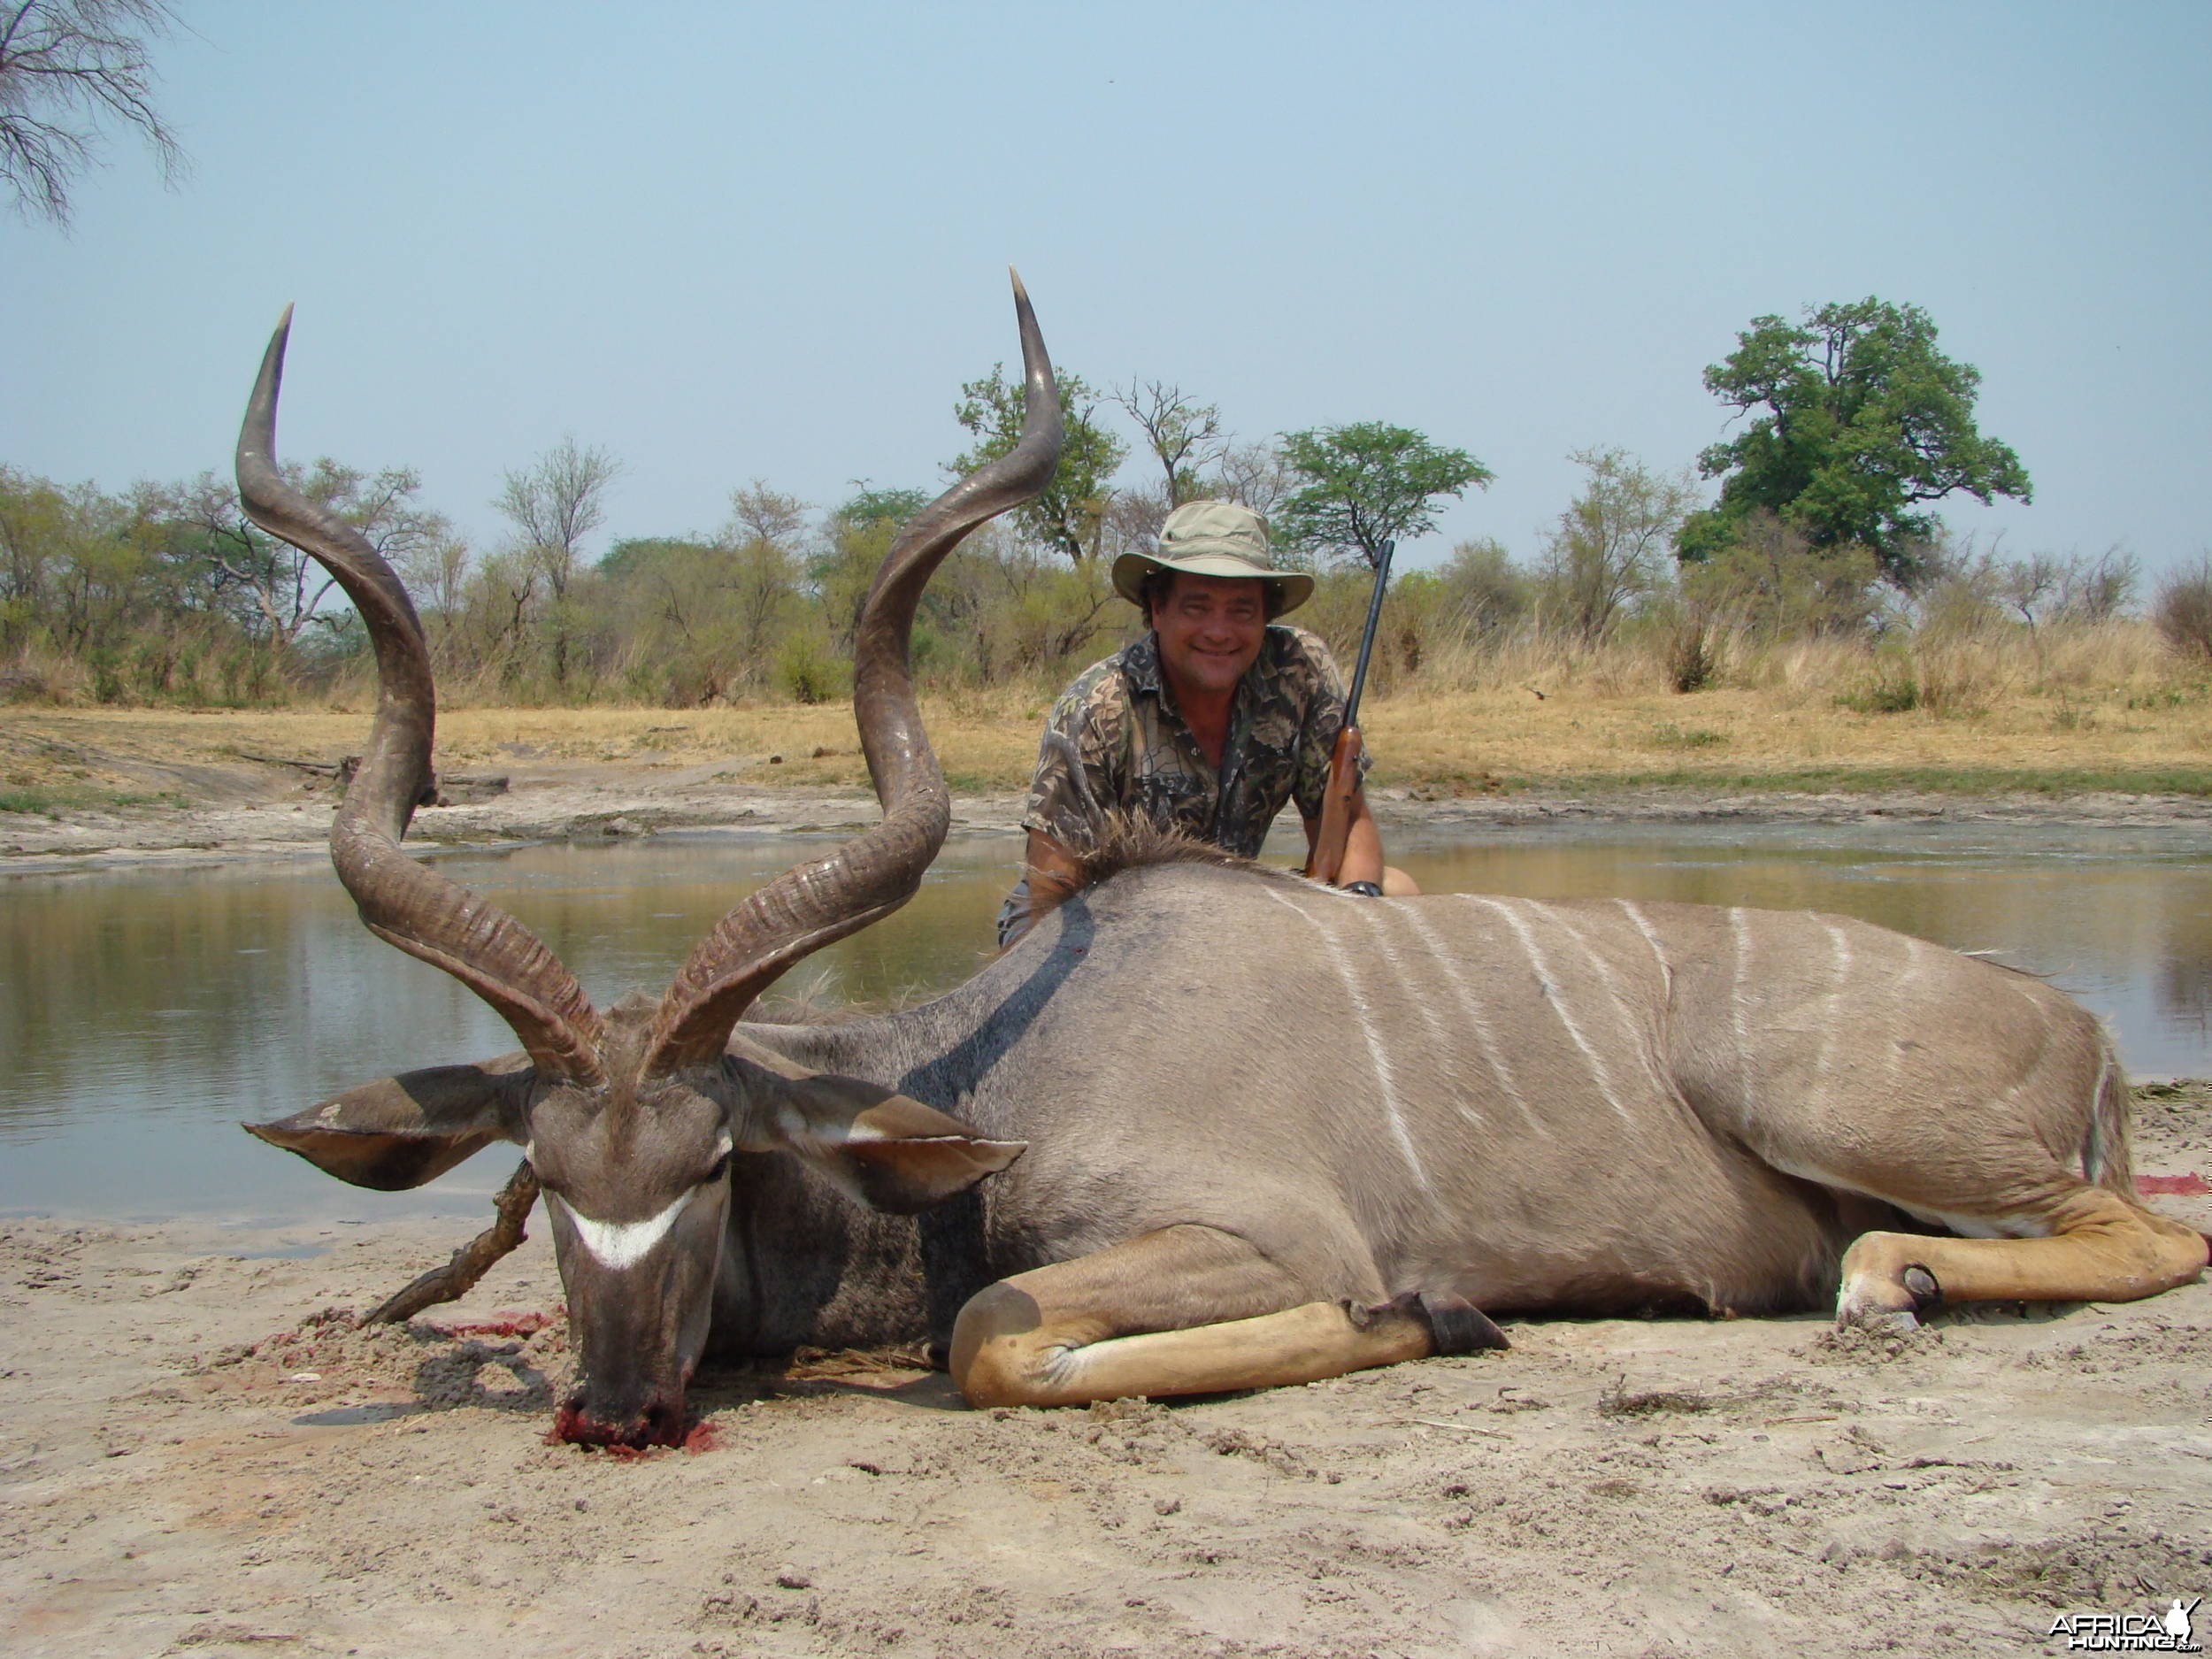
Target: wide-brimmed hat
1213, 538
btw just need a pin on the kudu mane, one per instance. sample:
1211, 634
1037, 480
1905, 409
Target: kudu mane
1123, 841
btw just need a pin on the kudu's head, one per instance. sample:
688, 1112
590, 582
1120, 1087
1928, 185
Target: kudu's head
630, 1117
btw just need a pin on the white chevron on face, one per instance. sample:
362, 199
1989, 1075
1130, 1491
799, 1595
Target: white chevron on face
621, 1244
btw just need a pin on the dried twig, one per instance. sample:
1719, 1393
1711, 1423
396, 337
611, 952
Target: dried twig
1456, 1428
473, 1260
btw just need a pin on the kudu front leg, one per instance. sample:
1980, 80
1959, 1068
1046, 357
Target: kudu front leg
2100, 1248
1187, 1309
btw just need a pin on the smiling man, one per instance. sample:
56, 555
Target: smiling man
1211, 723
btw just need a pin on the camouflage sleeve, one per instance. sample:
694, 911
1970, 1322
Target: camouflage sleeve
1078, 761
1324, 696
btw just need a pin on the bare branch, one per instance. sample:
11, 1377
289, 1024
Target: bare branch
1183, 433
68, 68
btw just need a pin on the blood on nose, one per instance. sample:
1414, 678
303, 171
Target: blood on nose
659, 1421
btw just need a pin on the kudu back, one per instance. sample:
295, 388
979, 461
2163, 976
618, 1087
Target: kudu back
1209, 1126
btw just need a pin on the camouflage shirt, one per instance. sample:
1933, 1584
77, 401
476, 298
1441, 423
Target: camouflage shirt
1139, 756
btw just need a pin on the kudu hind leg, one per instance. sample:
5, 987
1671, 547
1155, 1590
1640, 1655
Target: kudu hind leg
1187, 1309
2100, 1248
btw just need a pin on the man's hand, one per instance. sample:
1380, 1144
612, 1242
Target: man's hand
1364, 870
1363, 844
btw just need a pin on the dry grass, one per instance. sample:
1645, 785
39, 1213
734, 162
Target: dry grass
2084, 707
1466, 741
983, 741
2089, 708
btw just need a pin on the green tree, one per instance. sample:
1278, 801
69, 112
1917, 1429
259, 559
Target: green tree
869, 505
1857, 421
1067, 515
1610, 549
75, 569
856, 535
1366, 484
1480, 589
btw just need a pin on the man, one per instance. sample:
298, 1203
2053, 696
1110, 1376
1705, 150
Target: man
1210, 723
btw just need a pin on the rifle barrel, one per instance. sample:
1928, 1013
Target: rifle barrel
1367, 638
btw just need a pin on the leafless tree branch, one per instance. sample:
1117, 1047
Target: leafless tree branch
68, 68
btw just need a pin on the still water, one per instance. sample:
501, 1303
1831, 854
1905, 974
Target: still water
142, 1015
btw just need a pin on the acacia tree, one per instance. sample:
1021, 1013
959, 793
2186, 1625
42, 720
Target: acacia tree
1369, 483
554, 504
67, 68
1069, 514
1857, 420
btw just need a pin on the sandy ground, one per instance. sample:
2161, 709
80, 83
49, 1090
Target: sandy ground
199, 1459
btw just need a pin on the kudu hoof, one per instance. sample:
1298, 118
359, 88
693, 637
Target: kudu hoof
1874, 1305
1454, 1324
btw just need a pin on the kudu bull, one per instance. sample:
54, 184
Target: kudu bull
1266, 1133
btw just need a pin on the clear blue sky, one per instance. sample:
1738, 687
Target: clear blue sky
730, 243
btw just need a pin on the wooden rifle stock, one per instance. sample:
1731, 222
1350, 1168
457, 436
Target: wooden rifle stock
1327, 857
1326, 861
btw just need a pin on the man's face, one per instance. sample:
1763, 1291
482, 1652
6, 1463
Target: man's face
1209, 629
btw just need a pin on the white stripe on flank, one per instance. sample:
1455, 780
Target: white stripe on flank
2092, 1148
1741, 933
621, 1244
1553, 995
1843, 970
1476, 1019
1898, 994
2045, 1033
1380, 922
1643, 926
1636, 1033
1376, 1054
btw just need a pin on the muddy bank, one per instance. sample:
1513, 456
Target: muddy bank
199, 1459
220, 813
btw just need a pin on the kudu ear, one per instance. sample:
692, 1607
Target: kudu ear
401, 1131
882, 1147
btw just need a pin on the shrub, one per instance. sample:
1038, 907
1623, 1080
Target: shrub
1667, 734
1892, 688
808, 671
2183, 609
1693, 651
1774, 583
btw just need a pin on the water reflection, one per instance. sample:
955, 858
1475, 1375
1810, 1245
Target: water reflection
141, 1015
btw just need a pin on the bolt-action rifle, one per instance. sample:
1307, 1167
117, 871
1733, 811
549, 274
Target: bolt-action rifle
1326, 860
